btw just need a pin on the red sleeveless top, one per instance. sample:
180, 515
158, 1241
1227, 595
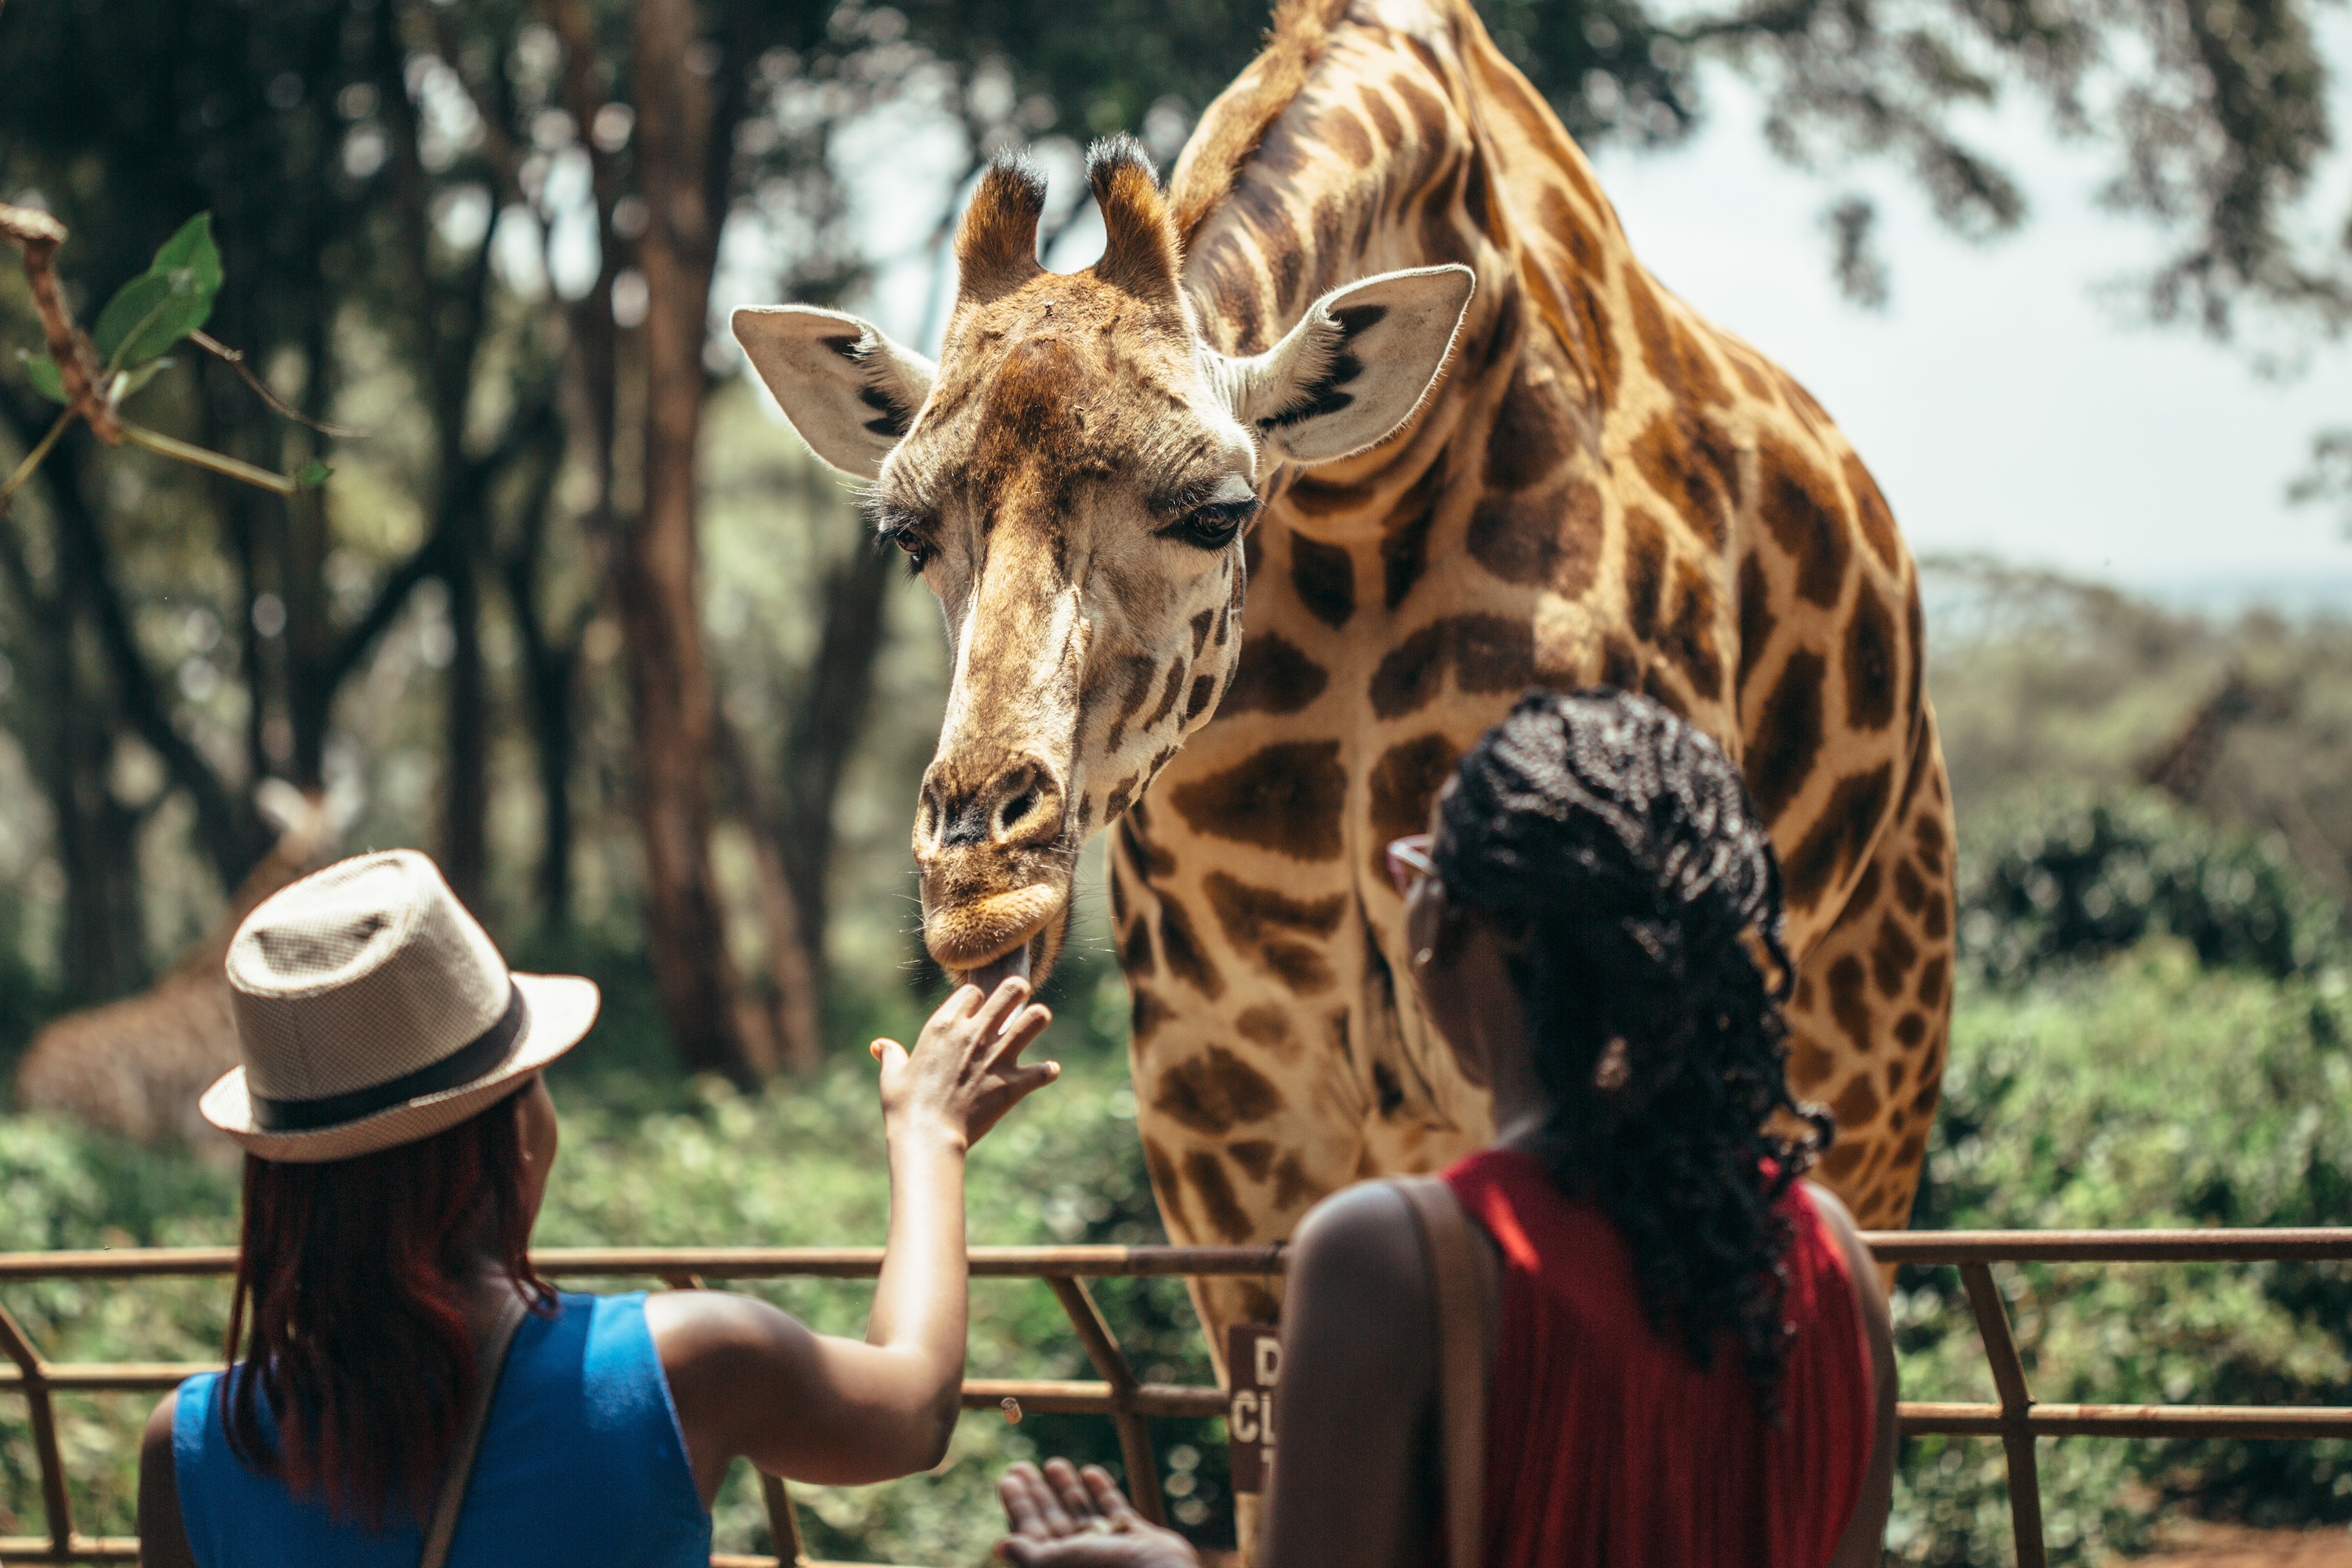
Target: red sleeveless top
1607, 1447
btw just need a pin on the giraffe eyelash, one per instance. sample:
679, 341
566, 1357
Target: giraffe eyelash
894, 524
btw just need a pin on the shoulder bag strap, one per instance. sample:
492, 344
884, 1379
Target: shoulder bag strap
1462, 1315
491, 1359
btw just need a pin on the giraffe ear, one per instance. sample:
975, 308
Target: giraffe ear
1357, 365
849, 391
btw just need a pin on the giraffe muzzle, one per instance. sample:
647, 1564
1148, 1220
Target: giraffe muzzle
995, 872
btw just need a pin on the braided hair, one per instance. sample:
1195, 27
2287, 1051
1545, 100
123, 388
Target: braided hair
1613, 850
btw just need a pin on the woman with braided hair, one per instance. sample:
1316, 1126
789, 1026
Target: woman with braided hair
1690, 1363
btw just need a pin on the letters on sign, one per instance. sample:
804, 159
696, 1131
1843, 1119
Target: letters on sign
1252, 1363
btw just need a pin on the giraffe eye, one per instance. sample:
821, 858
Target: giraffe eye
918, 549
1213, 525
894, 525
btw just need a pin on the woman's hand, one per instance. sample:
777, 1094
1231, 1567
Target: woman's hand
1061, 1519
965, 1072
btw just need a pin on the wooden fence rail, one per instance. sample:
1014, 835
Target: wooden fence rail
2016, 1419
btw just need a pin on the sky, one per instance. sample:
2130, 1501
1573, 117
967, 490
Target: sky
2008, 399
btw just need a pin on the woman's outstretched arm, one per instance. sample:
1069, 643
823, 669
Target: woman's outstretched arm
750, 1380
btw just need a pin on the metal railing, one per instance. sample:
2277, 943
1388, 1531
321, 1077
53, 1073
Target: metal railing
2016, 1419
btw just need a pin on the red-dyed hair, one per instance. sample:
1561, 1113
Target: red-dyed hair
353, 1274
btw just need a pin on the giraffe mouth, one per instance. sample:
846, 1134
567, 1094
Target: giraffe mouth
997, 971
986, 939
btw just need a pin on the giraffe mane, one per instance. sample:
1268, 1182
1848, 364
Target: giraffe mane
1238, 121
997, 243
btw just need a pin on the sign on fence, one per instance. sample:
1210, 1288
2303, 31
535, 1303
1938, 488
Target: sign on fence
1252, 1363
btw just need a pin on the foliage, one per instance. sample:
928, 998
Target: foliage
2075, 875
2146, 1092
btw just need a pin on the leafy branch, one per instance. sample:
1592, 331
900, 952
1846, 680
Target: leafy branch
91, 375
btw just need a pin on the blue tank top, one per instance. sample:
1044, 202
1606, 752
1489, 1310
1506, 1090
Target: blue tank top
582, 1462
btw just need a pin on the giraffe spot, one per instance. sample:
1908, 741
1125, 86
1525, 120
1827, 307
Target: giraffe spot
1181, 945
1858, 1105
1319, 500
1422, 109
1446, 213
1503, 336
1329, 214
1756, 618
1865, 888
1116, 805
1645, 572
1200, 625
1870, 657
1695, 468
1292, 1190
1254, 1156
1546, 538
1658, 685
1931, 982
1788, 735
1810, 414
1848, 1006
1938, 922
1678, 360
1897, 1069
1486, 653
1840, 1162
1135, 957
1404, 546
1227, 276
1258, 920
1269, 1027
1384, 117
1530, 441
1757, 386
1911, 1031
1148, 858
1388, 1092
1477, 193
1206, 1176
1273, 678
1147, 1012
1164, 1183
1924, 1102
1133, 675
1620, 665
1325, 578
1401, 784
1870, 511
1892, 956
1287, 798
1215, 1092
1204, 687
1840, 835
1562, 224
1927, 844
1909, 890
1176, 674
1805, 520
1689, 638
1809, 1065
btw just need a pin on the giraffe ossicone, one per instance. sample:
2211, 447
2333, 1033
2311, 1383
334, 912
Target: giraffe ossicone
1072, 480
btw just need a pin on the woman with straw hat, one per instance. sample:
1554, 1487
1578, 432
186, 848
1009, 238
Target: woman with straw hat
409, 1390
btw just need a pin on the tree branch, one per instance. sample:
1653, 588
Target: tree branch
40, 235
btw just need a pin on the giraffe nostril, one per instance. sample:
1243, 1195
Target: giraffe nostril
1015, 809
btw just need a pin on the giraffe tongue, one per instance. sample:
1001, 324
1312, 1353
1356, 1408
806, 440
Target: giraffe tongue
996, 971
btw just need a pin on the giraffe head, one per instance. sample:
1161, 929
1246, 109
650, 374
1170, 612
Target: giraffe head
1073, 479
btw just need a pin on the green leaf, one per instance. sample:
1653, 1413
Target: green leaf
42, 372
313, 474
172, 299
192, 250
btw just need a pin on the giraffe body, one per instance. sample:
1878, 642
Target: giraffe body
1599, 488
136, 1066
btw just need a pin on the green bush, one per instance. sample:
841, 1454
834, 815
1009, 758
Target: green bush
2078, 877
2147, 1092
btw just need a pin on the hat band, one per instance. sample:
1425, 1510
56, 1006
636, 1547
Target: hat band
469, 1061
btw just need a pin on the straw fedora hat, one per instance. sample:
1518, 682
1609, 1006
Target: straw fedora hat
371, 1010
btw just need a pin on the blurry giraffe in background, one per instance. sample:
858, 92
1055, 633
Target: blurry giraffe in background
1104, 468
136, 1066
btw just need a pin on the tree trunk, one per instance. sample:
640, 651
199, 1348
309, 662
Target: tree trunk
832, 717
466, 768
713, 1025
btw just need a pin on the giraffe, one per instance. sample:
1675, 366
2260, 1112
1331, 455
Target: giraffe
136, 1066
1380, 370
